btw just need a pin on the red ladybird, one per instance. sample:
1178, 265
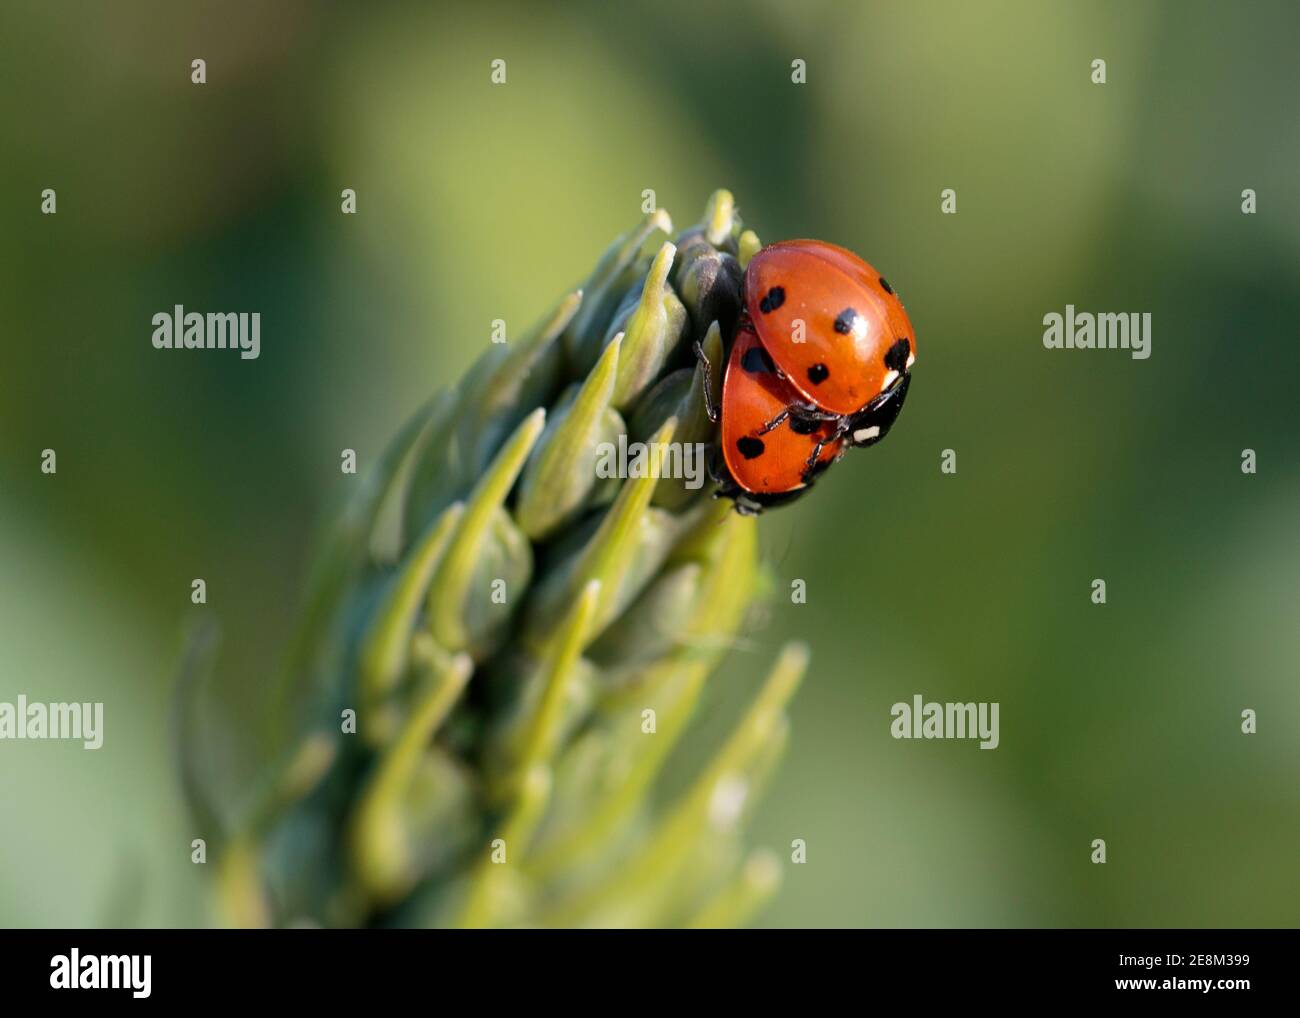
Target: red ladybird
821, 359
770, 455
835, 328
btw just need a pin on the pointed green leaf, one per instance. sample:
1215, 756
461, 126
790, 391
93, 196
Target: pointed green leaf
343, 554
384, 650
536, 740
719, 217
650, 628
561, 472
607, 557
452, 581
514, 379
638, 884
381, 829
681, 395
493, 887
603, 289
506, 383
651, 333
391, 531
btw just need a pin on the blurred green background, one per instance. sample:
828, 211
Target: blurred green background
479, 202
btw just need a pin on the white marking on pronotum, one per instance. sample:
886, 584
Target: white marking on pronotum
890, 375
911, 359
864, 434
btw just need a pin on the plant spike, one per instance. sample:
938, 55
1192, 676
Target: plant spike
502, 647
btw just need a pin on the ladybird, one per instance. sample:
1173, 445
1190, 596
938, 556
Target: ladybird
836, 330
770, 454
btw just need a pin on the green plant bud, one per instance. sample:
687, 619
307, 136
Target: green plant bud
561, 473
488, 559
711, 285
521, 642
525, 677
720, 220
628, 545
652, 330
718, 229
603, 779
385, 649
498, 892
748, 246
632, 894
592, 813
614, 273
558, 695
417, 798
497, 586
505, 385
651, 626
725, 544
314, 658
391, 531
681, 395
525, 374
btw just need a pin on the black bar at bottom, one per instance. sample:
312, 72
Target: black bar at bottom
75, 969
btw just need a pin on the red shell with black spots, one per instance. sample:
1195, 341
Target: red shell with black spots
831, 323
753, 394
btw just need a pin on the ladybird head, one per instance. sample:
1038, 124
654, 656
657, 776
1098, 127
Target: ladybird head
872, 423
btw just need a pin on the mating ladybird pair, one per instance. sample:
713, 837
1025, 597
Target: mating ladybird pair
821, 360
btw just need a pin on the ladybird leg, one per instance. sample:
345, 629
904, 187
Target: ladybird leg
799, 414
710, 407
811, 465
841, 426
814, 413
775, 422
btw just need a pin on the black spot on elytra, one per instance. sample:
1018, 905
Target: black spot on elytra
896, 356
818, 373
772, 300
844, 323
885, 283
804, 425
751, 448
756, 361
